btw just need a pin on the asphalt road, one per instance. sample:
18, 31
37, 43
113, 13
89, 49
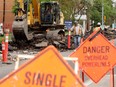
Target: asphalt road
5, 69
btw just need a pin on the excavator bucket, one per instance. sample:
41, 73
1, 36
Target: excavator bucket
20, 29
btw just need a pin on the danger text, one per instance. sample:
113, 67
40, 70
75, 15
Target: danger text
96, 49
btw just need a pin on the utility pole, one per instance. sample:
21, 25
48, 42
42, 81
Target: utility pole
3, 13
102, 15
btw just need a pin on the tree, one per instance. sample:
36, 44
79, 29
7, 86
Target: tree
15, 7
96, 11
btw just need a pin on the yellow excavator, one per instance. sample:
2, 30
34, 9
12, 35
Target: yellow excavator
34, 17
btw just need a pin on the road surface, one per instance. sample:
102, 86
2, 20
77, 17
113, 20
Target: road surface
5, 69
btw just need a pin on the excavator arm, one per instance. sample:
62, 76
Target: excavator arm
35, 11
20, 24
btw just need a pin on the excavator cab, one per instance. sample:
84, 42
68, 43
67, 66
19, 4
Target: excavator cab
50, 13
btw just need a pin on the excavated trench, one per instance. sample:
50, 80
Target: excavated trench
38, 43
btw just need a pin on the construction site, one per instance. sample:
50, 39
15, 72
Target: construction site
38, 45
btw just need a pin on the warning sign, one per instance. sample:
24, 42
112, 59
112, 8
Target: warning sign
96, 56
47, 69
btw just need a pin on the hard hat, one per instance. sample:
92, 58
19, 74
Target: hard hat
76, 22
98, 23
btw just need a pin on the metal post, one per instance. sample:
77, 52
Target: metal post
83, 76
112, 77
102, 14
84, 26
3, 13
17, 63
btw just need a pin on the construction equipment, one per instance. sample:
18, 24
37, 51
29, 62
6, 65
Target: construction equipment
42, 19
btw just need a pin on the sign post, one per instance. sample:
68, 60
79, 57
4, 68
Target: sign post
112, 78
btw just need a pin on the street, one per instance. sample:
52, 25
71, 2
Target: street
61, 43
104, 82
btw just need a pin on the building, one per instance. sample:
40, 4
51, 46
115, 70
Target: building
9, 16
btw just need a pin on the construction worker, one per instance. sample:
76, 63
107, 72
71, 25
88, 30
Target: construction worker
97, 28
77, 32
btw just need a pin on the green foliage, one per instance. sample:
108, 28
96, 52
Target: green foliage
14, 8
94, 9
96, 12
109, 11
1, 37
